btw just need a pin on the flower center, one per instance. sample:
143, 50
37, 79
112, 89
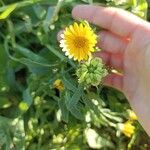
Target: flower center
80, 42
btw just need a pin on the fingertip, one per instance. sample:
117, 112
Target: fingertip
78, 11
59, 35
75, 11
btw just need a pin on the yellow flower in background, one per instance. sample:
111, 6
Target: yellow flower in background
78, 41
127, 128
132, 115
58, 85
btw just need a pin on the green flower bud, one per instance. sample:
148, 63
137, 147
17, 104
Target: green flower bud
88, 80
91, 72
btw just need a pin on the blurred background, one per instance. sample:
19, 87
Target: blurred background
42, 107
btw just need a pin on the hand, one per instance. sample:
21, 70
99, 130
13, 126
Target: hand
126, 46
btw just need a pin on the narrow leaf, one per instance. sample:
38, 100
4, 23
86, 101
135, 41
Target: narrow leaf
8, 11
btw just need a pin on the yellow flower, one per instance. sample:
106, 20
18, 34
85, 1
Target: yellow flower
58, 85
127, 128
78, 41
132, 115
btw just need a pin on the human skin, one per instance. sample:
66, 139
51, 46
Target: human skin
125, 41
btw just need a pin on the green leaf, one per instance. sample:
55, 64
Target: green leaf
107, 113
114, 103
56, 52
29, 54
97, 142
4, 102
3, 57
88, 1
39, 11
49, 15
8, 11
64, 111
35, 63
35, 67
5, 137
3, 67
71, 103
68, 83
88, 102
27, 97
27, 101
10, 76
76, 97
140, 8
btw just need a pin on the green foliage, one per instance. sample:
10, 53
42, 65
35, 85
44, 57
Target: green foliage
34, 114
91, 72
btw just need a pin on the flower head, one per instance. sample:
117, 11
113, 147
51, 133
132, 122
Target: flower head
127, 128
92, 72
78, 41
58, 85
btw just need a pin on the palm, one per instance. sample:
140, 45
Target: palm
134, 65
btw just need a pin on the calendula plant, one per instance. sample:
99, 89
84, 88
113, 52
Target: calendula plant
52, 95
79, 42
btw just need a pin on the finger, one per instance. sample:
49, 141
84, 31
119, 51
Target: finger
114, 80
112, 60
59, 35
116, 20
111, 42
